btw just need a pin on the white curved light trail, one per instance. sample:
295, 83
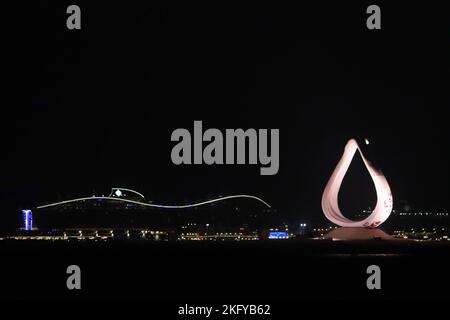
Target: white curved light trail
155, 205
330, 205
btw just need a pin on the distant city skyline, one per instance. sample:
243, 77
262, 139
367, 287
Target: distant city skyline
98, 110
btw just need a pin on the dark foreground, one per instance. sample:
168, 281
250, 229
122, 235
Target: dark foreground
212, 272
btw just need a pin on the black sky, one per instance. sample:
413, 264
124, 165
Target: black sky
91, 109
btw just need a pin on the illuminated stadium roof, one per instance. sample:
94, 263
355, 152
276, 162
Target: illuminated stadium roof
127, 196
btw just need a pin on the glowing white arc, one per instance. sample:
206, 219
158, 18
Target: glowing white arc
113, 190
155, 205
330, 205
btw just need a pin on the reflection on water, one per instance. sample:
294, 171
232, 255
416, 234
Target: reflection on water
347, 234
353, 255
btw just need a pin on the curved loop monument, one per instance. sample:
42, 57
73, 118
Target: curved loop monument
330, 204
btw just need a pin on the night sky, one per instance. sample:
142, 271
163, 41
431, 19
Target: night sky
88, 110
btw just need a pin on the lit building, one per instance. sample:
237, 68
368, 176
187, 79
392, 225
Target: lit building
126, 214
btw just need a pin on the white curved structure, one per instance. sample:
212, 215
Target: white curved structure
119, 191
330, 205
154, 205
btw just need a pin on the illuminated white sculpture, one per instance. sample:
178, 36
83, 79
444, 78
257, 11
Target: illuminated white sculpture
330, 205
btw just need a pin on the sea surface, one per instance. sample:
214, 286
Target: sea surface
225, 271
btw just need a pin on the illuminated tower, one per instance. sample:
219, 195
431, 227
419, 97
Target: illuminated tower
27, 216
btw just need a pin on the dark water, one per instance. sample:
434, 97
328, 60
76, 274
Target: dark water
223, 271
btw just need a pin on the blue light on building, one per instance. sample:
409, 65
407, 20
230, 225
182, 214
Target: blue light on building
278, 235
27, 219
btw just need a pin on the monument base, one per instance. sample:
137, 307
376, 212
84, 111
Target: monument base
348, 234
